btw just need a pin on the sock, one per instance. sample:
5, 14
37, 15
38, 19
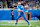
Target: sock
27, 21
17, 21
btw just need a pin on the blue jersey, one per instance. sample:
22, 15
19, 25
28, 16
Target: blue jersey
21, 8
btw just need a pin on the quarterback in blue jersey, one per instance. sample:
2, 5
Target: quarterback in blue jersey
21, 11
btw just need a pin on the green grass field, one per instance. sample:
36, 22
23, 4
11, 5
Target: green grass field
21, 23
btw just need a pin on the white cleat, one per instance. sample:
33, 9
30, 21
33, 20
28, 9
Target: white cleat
29, 24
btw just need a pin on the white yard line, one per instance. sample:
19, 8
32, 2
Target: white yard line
15, 25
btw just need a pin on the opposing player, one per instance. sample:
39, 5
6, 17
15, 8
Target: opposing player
21, 11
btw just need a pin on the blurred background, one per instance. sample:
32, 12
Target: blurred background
32, 6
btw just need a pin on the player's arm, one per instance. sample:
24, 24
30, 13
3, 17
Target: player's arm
12, 8
21, 10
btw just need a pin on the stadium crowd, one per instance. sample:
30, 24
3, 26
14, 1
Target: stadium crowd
26, 4
1, 4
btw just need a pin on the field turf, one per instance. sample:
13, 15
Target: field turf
21, 23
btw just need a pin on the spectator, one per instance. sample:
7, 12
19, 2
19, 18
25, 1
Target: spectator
1, 4
30, 8
11, 6
11, 3
26, 6
38, 7
31, 4
34, 8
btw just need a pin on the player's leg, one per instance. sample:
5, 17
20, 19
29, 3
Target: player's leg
25, 19
17, 19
